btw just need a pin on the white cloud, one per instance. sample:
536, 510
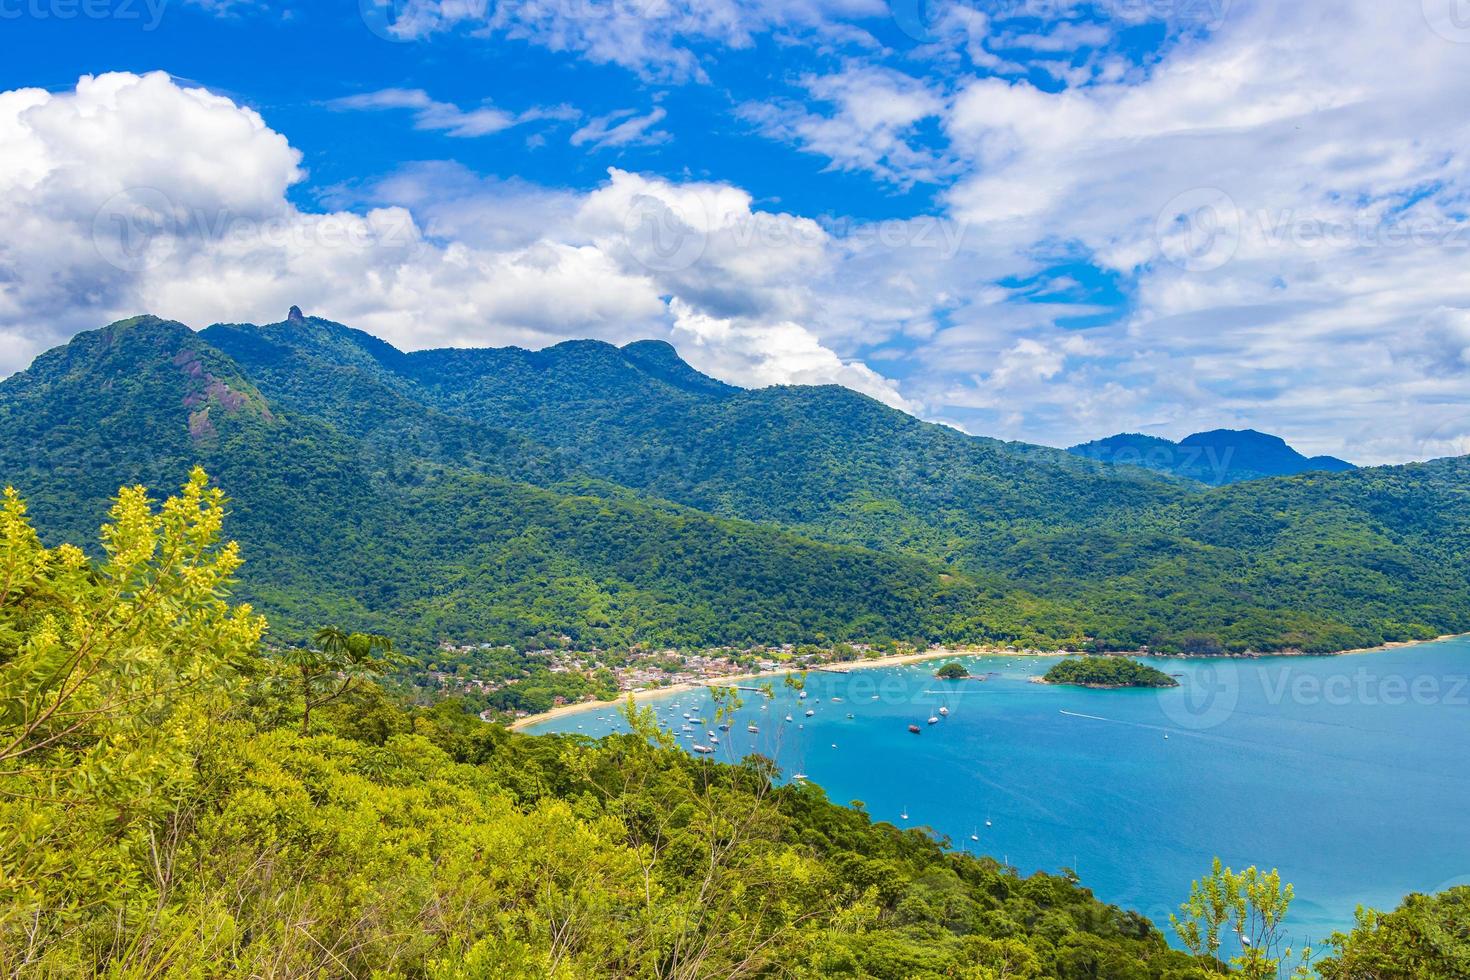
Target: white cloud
623, 128
870, 127
1277, 203
781, 353
657, 39
446, 117
133, 194
1311, 194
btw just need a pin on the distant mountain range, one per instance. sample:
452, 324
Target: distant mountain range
1217, 457
618, 496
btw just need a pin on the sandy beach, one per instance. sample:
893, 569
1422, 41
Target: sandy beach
938, 653
1396, 644
842, 666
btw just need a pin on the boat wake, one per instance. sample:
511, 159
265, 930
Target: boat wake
1078, 714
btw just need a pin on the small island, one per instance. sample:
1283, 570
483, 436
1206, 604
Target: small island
952, 672
1107, 672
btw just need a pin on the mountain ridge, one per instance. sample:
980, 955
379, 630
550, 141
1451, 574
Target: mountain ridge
1216, 456
617, 496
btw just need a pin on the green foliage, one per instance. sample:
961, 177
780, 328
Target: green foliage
952, 672
512, 497
1425, 938
1253, 906
1107, 672
500, 679
339, 660
113, 678
421, 842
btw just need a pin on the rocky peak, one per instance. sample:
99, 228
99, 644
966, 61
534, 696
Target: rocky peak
294, 315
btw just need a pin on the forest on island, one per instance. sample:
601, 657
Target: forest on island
1107, 672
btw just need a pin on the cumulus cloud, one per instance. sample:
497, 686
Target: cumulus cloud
1286, 203
77, 168
135, 193
783, 353
1262, 223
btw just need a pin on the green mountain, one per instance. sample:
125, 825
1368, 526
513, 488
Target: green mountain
339, 530
176, 804
616, 495
1217, 457
826, 460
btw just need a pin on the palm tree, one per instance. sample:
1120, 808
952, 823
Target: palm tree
329, 670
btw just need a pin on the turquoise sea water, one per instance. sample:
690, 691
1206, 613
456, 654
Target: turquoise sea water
1351, 774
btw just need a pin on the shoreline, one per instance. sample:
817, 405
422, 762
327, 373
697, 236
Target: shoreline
1104, 687
837, 667
938, 653
1397, 645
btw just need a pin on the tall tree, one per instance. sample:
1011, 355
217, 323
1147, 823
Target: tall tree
337, 662
1253, 905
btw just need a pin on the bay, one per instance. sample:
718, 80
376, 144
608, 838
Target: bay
1347, 773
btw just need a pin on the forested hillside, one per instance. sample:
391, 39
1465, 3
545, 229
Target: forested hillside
617, 496
405, 543
164, 815
824, 459
169, 811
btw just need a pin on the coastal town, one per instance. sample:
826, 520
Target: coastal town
507, 684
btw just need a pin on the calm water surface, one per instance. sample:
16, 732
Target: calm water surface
1348, 773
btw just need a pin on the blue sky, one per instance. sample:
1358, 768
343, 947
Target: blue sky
1039, 219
